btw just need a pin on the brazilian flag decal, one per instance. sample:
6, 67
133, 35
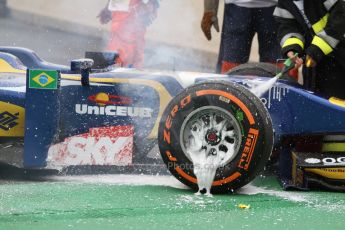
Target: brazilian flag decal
43, 79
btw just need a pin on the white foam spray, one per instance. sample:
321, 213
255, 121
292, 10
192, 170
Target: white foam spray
291, 196
205, 167
207, 158
121, 179
261, 89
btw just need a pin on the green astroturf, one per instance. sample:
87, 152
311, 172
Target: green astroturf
71, 205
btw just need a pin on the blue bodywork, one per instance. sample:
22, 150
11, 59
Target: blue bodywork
50, 115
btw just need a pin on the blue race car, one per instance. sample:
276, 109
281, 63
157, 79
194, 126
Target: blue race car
95, 115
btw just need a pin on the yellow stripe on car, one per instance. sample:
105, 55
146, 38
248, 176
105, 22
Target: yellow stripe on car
333, 147
337, 101
12, 119
5, 67
331, 173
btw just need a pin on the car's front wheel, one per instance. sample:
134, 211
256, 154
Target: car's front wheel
222, 122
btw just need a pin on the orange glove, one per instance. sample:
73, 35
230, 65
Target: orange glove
208, 20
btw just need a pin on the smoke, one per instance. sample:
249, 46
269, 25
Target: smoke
168, 57
175, 41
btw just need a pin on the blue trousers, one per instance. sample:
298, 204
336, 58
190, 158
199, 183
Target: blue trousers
239, 27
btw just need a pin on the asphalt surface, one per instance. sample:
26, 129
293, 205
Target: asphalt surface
50, 44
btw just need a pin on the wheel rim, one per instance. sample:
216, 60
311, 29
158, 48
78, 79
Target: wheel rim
212, 131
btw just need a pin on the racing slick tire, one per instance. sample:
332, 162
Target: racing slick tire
259, 69
245, 137
254, 69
